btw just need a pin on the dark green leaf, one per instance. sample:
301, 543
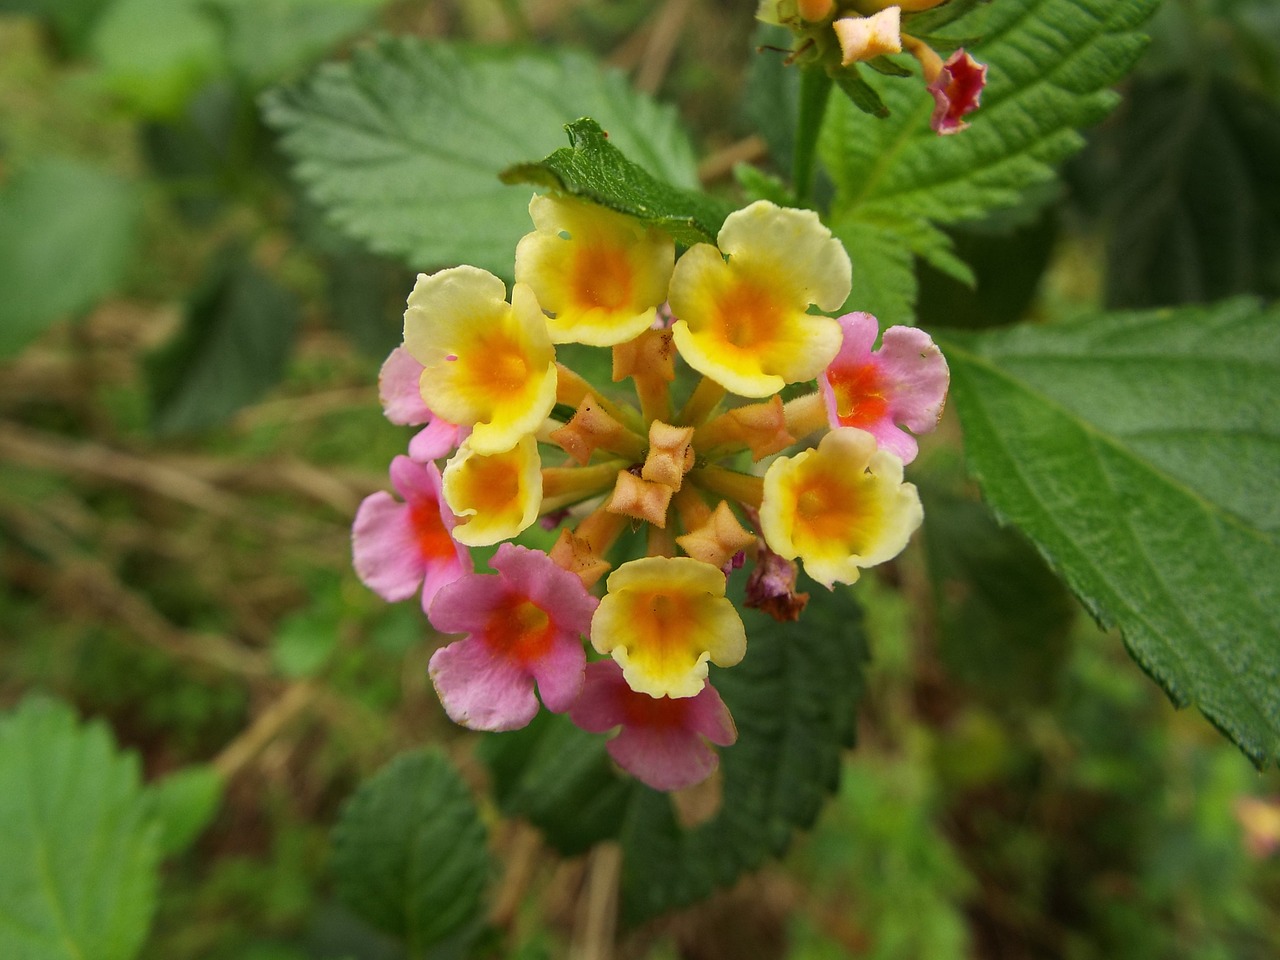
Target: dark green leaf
793, 697
1139, 452
67, 234
924, 23
1001, 615
594, 169
1195, 206
232, 347
860, 93
1051, 62
559, 779
184, 803
80, 851
409, 851
402, 145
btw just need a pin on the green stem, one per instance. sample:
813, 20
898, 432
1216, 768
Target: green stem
815, 89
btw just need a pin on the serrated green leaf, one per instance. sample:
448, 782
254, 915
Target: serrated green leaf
409, 851
67, 233
78, 873
184, 802
1051, 63
233, 345
883, 270
402, 145
1139, 452
793, 698
560, 779
592, 168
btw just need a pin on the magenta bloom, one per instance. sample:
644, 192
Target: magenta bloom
399, 547
523, 625
956, 91
402, 403
663, 740
904, 382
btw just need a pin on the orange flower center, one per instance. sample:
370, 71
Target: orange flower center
603, 277
492, 485
828, 511
860, 401
747, 317
429, 531
520, 629
500, 366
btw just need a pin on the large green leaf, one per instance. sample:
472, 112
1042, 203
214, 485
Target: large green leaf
67, 233
1051, 62
409, 851
794, 698
233, 345
592, 168
403, 145
80, 849
1140, 453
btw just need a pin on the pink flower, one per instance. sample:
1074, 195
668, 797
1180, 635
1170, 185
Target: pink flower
399, 547
956, 90
904, 382
523, 625
663, 741
402, 403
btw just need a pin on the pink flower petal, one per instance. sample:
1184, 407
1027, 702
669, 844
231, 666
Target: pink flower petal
912, 362
663, 741
398, 389
529, 618
439, 439
904, 382
383, 548
397, 547
480, 690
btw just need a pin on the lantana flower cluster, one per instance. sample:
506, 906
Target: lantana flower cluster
707, 471
838, 34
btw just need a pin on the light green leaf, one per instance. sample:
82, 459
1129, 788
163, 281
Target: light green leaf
305, 641
794, 698
233, 345
184, 802
409, 851
80, 851
1050, 65
592, 168
154, 54
1140, 452
67, 233
402, 146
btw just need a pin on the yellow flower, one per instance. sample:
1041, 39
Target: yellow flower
743, 320
488, 364
601, 275
494, 496
839, 507
663, 619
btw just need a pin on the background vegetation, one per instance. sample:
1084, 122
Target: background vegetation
188, 419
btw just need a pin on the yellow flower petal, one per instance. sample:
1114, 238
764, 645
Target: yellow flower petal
601, 275
494, 496
744, 321
663, 619
839, 507
488, 364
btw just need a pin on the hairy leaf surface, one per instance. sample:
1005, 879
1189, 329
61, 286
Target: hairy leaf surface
402, 146
1140, 453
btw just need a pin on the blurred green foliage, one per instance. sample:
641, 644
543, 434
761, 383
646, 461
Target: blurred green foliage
1019, 789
